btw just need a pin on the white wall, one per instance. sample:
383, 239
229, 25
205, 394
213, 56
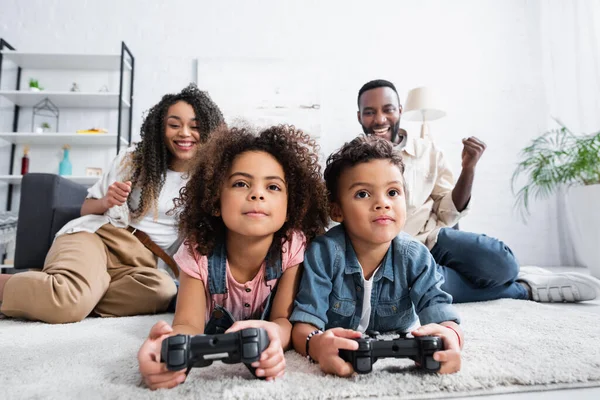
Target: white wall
484, 55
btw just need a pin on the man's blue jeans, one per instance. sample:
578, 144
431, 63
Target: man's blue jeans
476, 267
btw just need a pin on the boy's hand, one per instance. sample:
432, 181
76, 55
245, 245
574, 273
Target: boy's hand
449, 358
272, 362
325, 347
117, 194
155, 373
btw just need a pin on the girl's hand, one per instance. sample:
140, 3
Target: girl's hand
448, 358
326, 346
155, 373
272, 362
117, 194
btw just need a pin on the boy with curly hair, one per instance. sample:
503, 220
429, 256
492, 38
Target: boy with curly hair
364, 274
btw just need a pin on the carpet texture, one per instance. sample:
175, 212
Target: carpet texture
511, 346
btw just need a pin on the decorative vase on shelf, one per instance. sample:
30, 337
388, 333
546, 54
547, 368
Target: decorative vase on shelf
65, 167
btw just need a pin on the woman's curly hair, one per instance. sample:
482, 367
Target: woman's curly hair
148, 163
199, 202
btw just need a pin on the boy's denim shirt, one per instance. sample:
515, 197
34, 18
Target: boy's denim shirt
407, 284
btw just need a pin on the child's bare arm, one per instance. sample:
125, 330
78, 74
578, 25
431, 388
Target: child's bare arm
189, 319
191, 306
284, 301
299, 334
457, 330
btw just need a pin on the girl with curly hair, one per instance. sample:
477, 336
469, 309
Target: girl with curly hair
98, 263
250, 207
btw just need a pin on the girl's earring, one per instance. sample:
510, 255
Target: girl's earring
217, 213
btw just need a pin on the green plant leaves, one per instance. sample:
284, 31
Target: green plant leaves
554, 159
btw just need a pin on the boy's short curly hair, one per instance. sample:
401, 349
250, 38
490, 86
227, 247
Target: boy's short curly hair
296, 151
360, 150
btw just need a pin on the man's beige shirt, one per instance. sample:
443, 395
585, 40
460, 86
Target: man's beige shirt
429, 184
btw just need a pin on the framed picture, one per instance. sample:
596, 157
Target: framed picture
91, 171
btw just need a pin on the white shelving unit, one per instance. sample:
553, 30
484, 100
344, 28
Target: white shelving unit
88, 65
64, 99
52, 138
107, 62
59, 69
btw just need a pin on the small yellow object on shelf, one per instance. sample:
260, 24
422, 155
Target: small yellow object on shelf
92, 131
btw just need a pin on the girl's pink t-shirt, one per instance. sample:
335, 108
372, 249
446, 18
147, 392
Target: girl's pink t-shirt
245, 300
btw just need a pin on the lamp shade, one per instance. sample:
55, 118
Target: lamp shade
423, 104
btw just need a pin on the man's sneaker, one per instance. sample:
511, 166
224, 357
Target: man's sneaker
569, 287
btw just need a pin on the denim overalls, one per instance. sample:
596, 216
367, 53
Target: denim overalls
221, 319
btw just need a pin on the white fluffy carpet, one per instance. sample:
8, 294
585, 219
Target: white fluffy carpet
511, 346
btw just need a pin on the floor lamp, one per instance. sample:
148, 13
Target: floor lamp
423, 104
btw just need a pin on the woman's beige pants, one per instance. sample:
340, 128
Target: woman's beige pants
109, 273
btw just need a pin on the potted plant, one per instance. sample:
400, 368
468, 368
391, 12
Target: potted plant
45, 127
557, 160
34, 85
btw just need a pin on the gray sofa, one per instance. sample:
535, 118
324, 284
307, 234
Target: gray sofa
47, 203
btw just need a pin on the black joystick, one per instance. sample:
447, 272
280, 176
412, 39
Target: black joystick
420, 349
186, 351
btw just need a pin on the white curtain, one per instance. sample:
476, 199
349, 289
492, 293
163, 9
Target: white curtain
570, 34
